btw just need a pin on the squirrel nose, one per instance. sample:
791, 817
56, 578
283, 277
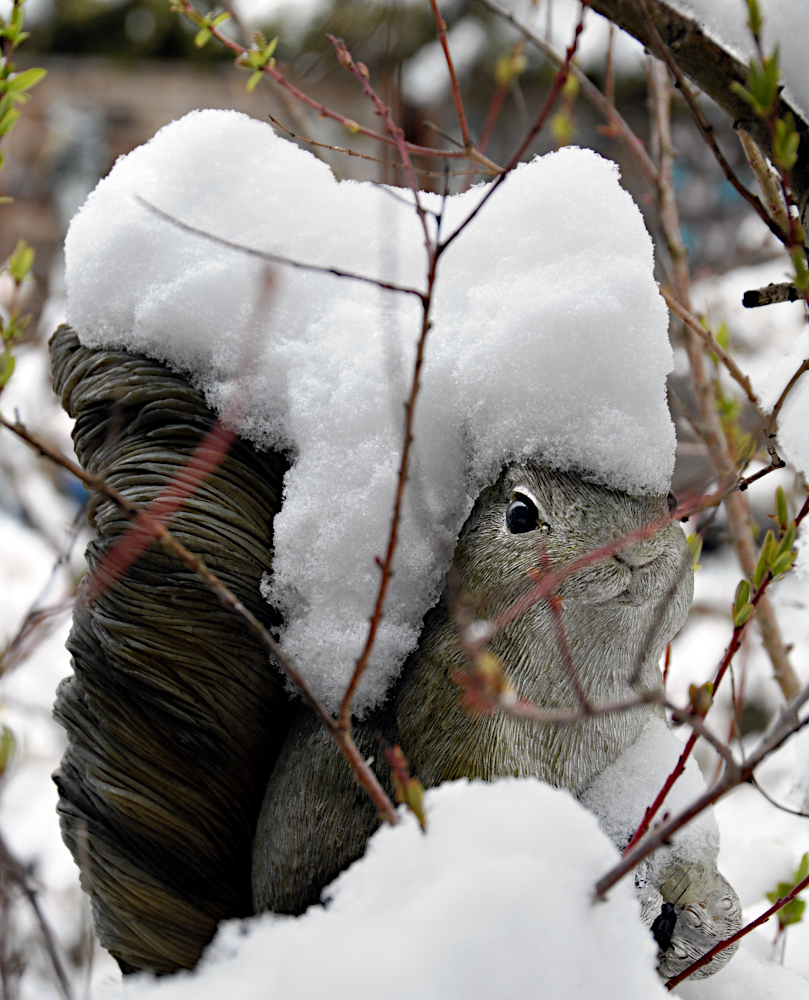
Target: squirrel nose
636, 556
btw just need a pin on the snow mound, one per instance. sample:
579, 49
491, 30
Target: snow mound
494, 900
549, 339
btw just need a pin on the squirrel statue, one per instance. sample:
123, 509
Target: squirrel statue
194, 789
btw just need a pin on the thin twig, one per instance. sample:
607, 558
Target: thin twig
555, 606
727, 658
347, 151
344, 713
772, 427
352, 126
441, 28
16, 871
710, 427
539, 123
603, 103
706, 130
157, 530
274, 258
360, 72
713, 345
778, 805
765, 916
786, 724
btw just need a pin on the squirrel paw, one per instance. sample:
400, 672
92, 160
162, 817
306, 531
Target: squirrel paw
694, 909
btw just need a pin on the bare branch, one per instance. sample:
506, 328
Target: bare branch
441, 27
712, 344
604, 104
539, 123
152, 528
274, 258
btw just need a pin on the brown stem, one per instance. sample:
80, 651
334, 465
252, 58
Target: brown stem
738, 511
730, 652
274, 258
556, 88
591, 92
711, 343
705, 128
344, 713
441, 27
360, 71
347, 151
17, 874
156, 530
354, 127
772, 427
786, 724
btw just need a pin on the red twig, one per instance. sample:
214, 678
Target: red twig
360, 71
204, 461
786, 724
352, 126
730, 652
344, 713
539, 123
441, 27
343, 740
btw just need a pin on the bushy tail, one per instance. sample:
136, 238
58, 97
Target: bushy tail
174, 713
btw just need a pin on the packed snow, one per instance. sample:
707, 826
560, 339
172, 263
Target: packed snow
785, 27
493, 900
549, 339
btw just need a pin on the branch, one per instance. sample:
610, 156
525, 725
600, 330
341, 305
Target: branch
713, 345
152, 528
706, 958
274, 258
786, 724
588, 88
441, 27
539, 123
711, 68
18, 874
352, 126
783, 291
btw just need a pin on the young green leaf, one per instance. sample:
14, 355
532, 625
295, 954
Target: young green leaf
785, 143
781, 508
792, 912
8, 746
695, 544
21, 261
6, 368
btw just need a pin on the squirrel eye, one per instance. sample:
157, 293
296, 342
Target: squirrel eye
521, 515
672, 501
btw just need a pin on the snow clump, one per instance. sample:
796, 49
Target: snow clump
785, 26
548, 339
494, 900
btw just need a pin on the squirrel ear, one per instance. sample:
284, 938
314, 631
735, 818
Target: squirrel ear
174, 716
